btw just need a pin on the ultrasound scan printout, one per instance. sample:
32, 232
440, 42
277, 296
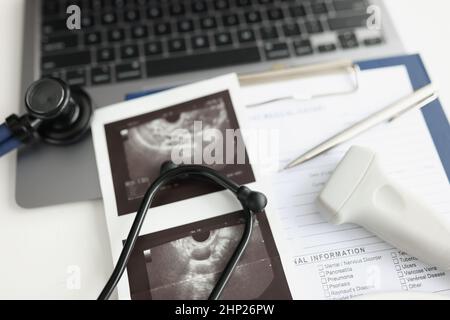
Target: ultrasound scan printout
139, 145
186, 262
193, 227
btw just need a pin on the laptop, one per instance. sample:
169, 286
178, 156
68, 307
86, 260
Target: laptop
126, 47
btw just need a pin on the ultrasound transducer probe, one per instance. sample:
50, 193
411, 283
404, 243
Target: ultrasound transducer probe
360, 192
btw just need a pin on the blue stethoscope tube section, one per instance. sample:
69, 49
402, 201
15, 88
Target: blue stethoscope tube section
7, 141
5, 133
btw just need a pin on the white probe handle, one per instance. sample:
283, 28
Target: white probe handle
395, 215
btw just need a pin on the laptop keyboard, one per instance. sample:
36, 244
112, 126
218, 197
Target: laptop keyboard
123, 40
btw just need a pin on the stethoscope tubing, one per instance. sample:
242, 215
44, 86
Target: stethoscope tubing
7, 141
167, 177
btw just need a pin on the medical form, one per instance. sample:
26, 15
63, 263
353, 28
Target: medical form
324, 261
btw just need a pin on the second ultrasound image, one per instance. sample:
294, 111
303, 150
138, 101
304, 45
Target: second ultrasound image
185, 262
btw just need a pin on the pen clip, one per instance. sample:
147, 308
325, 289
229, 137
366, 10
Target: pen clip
419, 105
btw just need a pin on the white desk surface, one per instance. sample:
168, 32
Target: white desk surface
40, 248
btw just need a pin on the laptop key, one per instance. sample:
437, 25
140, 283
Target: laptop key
106, 54
199, 6
319, 8
109, 18
291, 29
349, 22
230, 20
76, 77
54, 74
297, 11
56, 61
208, 23
153, 48
246, 35
350, 5
118, 3
128, 71
252, 17
50, 7
177, 9
275, 14
131, 15
138, 32
116, 35
101, 75
177, 45
243, 3
223, 39
97, 4
313, 26
185, 25
303, 47
202, 61
53, 26
141, 3
199, 42
372, 41
221, 4
87, 21
326, 47
162, 28
154, 12
348, 40
55, 43
276, 50
129, 51
268, 32
92, 37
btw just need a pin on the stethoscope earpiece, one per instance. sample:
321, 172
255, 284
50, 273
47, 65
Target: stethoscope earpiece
254, 200
166, 166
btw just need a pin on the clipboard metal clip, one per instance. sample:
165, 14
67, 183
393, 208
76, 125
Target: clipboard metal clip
347, 66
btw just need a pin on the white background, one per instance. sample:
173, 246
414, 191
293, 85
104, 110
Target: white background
40, 249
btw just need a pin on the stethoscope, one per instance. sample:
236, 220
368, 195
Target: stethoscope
55, 113
60, 114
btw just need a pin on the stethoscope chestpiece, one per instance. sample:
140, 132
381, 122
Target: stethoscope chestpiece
47, 98
61, 114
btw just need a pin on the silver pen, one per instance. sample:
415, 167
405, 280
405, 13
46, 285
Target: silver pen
416, 100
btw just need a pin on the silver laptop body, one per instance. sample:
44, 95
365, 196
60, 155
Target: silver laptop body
48, 175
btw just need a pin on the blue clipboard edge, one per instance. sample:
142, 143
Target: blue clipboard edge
433, 113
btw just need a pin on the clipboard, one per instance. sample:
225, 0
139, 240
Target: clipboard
435, 118
434, 114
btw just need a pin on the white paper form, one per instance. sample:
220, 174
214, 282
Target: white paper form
339, 262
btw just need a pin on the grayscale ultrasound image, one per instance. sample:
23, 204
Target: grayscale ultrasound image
155, 140
197, 261
139, 145
188, 263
